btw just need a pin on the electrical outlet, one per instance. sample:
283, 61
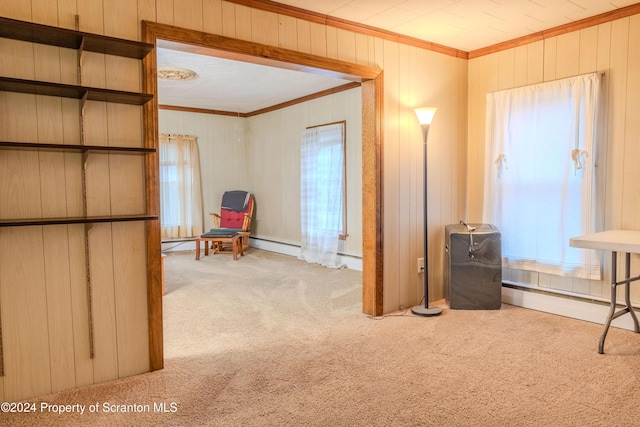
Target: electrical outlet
420, 265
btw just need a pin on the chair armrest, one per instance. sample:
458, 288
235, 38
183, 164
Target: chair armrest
216, 219
246, 224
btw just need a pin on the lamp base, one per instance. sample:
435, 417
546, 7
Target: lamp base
421, 310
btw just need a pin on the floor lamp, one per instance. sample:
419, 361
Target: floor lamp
425, 115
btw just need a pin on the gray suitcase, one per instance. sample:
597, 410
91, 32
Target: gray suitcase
473, 266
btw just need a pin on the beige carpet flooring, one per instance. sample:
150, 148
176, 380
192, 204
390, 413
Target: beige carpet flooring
271, 341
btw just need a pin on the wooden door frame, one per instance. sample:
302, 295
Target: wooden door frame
372, 171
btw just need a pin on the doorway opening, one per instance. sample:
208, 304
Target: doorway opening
370, 79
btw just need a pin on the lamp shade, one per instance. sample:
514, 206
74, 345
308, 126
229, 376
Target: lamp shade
425, 115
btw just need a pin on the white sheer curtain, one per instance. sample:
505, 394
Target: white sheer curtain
180, 192
539, 184
321, 187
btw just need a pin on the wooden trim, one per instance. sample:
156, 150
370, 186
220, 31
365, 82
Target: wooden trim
372, 193
300, 100
200, 43
200, 110
295, 12
379, 193
372, 197
622, 12
152, 204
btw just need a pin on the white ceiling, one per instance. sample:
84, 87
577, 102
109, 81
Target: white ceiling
234, 86
462, 24
467, 25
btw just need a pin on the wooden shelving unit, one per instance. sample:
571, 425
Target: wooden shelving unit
61, 37
72, 147
75, 220
81, 42
71, 91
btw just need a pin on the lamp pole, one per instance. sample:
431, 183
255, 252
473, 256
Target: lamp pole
425, 115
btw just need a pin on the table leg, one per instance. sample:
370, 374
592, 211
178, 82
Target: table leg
627, 292
612, 307
198, 249
627, 297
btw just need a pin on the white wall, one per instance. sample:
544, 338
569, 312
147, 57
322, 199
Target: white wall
262, 155
223, 155
274, 165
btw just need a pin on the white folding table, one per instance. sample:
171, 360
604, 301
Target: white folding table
628, 242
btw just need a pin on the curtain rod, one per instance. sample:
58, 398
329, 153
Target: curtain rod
177, 135
328, 124
602, 74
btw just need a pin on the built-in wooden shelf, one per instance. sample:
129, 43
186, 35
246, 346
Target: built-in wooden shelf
72, 91
82, 43
71, 147
75, 220
62, 37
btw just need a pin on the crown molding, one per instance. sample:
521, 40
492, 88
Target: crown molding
319, 18
271, 6
622, 12
300, 100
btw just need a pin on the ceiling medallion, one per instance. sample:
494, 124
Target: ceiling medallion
174, 73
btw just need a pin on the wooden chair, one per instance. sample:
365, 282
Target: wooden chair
235, 216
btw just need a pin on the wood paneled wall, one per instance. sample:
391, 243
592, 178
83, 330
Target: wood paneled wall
611, 48
419, 78
44, 298
412, 77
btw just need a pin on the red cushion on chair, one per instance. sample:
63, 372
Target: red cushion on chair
232, 219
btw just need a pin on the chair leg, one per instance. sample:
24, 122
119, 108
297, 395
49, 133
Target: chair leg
234, 247
240, 245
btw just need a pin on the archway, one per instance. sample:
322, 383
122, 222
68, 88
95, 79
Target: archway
372, 200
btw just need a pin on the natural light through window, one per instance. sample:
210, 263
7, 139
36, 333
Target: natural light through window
540, 174
322, 193
180, 192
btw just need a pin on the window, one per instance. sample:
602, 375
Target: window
180, 192
322, 192
540, 172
